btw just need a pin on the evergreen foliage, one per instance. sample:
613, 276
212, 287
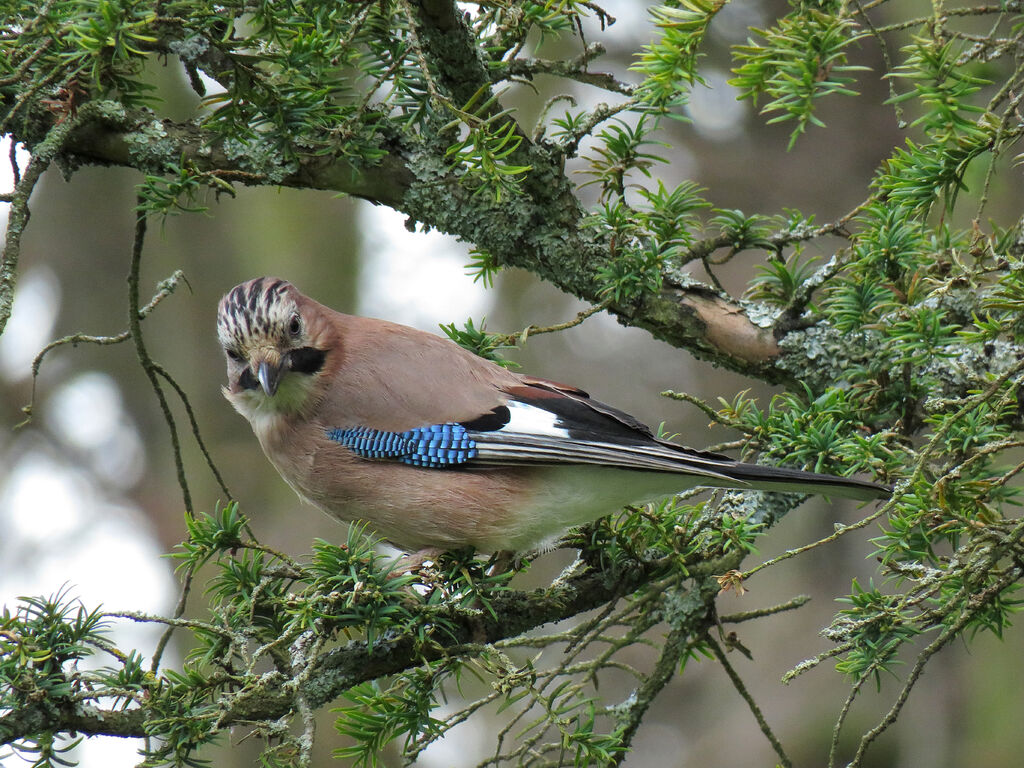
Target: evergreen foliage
901, 353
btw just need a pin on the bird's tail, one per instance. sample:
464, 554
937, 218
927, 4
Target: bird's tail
785, 480
710, 469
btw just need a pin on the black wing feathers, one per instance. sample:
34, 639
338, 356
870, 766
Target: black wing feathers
582, 417
599, 434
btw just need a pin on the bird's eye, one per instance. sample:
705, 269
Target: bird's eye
294, 325
234, 355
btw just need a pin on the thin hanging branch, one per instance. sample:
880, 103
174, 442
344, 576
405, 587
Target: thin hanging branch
148, 366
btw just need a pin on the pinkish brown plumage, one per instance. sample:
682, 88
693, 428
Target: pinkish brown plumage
435, 447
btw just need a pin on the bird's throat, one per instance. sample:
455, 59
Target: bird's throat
293, 398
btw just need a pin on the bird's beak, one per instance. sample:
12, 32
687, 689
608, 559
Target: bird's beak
269, 375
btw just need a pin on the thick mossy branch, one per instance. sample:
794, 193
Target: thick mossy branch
270, 696
137, 139
450, 50
541, 230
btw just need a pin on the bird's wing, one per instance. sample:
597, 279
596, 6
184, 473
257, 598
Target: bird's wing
545, 423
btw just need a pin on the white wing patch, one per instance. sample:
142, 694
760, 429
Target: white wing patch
528, 419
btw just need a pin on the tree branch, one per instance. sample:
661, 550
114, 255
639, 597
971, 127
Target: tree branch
541, 230
453, 56
268, 697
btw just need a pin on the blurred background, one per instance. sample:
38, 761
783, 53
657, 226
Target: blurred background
88, 495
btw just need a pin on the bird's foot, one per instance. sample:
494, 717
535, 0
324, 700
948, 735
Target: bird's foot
505, 560
415, 562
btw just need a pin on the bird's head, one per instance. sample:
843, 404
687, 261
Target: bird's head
273, 342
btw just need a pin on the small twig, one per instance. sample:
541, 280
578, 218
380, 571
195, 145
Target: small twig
31, 59
540, 125
845, 710
148, 366
639, 616
728, 445
414, 43
195, 427
803, 293
164, 289
272, 648
809, 664
714, 278
294, 570
1008, 475
980, 454
711, 413
573, 69
745, 694
599, 114
515, 339
138, 697
12, 157
995, 145
304, 657
886, 59
840, 531
981, 10
701, 250
147, 618
306, 740
791, 605
452, 720
74, 340
179, 611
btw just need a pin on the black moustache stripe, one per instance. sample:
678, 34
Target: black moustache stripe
307, 360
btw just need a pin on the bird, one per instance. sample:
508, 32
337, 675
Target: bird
438, 449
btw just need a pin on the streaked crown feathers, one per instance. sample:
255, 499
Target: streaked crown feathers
260, 308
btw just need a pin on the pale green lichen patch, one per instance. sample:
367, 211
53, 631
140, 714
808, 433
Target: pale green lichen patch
259, 157
819, 354
760, 313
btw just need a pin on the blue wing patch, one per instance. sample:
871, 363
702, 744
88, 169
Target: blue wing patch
436, 446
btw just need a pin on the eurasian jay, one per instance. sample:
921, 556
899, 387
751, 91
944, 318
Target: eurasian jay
436, 448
